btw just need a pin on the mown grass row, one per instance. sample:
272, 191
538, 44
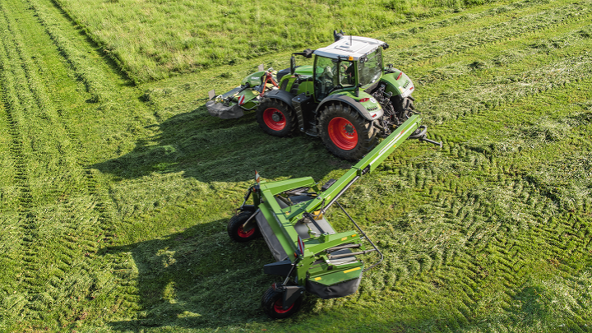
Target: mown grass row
93, 79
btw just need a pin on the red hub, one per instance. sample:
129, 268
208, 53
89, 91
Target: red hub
274, 119
278, 308
343, 133
245, 234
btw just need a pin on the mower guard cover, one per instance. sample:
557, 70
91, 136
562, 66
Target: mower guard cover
230, 107
224, 112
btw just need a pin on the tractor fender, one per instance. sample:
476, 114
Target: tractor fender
353, 103
402, 87
282, 95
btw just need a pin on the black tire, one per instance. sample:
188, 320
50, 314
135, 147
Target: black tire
276, 118
236, 231
356, 137
272, 305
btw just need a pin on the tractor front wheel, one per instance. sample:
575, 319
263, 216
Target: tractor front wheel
273, 305
276, 118
238, 232
346, 133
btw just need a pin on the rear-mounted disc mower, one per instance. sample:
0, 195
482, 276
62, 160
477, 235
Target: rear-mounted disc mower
309, 254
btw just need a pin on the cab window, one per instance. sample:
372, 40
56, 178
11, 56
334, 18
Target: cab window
347, 74
325, 76
370, 67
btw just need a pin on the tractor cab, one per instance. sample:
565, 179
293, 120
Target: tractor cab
348, 64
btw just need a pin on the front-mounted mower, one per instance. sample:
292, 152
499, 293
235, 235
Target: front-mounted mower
310, 255
347, 97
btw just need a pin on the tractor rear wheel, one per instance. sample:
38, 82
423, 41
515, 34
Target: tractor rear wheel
272, 303
345, 133
240, 234
276, 118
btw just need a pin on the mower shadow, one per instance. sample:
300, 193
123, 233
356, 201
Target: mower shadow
196, 278
211, 149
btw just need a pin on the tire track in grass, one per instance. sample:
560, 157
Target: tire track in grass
14, 238
15, 110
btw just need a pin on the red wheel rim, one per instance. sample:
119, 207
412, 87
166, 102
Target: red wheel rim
245, 234
343, 133
279, 123
277, 307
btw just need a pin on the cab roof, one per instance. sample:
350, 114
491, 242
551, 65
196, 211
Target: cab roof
347, 46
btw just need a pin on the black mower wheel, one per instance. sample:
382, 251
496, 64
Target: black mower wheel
272, 305
345, 133
236, 231
276, 118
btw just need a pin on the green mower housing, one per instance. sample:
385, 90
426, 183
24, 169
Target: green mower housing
348, 97
309, 254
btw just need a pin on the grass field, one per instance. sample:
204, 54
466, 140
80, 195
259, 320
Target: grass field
115, 187
156, 39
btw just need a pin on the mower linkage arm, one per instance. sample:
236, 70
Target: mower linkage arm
365, 236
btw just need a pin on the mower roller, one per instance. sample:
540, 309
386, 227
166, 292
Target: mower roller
309, 254
347, 97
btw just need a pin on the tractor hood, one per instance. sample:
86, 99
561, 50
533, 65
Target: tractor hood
305, 70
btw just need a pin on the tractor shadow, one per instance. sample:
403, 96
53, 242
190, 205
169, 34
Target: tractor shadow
211, 149
196, 278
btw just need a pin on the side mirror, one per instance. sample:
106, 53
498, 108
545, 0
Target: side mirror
292, 65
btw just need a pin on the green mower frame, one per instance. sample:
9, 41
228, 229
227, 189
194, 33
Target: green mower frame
309, 254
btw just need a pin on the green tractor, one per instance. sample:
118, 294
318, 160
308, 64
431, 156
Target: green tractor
347, 97
310, 255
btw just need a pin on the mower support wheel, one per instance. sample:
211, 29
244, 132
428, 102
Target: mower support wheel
272, 303
276, 118
345, 133
240, 234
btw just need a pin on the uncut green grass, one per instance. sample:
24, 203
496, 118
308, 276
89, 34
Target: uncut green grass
155, 39
118, 222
